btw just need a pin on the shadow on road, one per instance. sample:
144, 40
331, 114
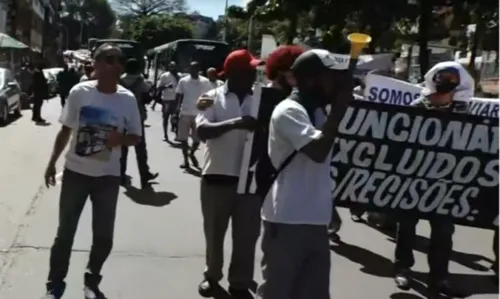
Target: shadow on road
43, 124
470, 284
150, 197
11, 119
373, 264
405, 296
174, 144
469, 260
193, 172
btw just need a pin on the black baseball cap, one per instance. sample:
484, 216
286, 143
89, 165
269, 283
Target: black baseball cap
316, 61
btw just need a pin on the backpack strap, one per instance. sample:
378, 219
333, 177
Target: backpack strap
285, 163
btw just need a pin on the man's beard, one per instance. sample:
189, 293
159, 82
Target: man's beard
284, 84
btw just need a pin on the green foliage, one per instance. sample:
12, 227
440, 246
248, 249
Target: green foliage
156, 30
144, 8
98, 20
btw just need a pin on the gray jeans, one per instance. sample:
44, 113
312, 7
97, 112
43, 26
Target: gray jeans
295, 262
75, 189
220, 204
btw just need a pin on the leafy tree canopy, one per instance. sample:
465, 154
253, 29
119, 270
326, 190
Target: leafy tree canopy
86, 18
153, 31
143, 8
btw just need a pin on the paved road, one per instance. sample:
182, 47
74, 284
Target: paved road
158, 249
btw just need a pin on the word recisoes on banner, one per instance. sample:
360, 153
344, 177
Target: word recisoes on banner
417, 161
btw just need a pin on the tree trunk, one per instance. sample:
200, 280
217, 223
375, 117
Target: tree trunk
423, 35
476, 38
292, 28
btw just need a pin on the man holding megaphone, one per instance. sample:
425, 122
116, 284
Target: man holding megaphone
298, 207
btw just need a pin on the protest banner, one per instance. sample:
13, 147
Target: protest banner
386, 90
422, 162
264, 106
405, 160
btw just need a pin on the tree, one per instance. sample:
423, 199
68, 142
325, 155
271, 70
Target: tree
85, 19
144, 8
153, 31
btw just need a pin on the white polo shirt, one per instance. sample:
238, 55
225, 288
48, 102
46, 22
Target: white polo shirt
302, 192
192, 89
223, 155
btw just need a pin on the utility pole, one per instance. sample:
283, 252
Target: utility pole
224, 36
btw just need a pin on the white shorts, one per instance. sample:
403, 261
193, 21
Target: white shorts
187, 127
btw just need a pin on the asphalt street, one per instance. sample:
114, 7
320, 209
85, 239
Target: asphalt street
159, 244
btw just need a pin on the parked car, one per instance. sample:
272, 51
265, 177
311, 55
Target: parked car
10, 95
51, 76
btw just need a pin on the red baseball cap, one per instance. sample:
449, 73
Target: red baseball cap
240, 60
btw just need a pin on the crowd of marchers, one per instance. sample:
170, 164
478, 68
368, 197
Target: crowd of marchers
293, 206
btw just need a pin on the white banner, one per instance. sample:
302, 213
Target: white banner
386, 90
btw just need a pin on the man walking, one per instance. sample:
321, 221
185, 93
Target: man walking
212, 77
223, 125
298, 207
64, 83
440, 86
134, 82
40, 89
189, 89
166, 87
95, 116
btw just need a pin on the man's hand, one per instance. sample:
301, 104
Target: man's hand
50, 175
204, 102
342, 99
246, 123
115, 139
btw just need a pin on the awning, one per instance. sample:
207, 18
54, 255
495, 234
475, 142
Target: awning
7, 42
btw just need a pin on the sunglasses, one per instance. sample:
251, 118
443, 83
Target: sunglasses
111, 59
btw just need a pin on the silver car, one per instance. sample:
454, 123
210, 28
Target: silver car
10, 96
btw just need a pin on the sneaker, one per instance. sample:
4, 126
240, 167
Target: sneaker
402, 280
194, 161
356, 218
50, 295
54, 290
444, 287
94, 293
240, 294
91, 289
207, 288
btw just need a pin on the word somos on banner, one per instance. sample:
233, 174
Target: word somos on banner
386, 90
410, 160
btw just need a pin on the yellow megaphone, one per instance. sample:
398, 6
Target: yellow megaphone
358, 42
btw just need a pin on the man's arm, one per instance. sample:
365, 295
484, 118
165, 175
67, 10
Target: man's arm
295, 125
207, 127
68, 120
133, 125
179, 94
62, 139
212, 130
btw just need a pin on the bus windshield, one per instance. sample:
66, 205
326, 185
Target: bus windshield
207, 54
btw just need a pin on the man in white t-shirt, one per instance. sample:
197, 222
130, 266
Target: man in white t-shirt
212, 77
298, 206
95, 117
189, 89
167, 86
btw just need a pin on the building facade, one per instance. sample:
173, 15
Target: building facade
4, 14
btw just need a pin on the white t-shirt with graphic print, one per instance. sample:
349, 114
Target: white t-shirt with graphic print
92, 115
